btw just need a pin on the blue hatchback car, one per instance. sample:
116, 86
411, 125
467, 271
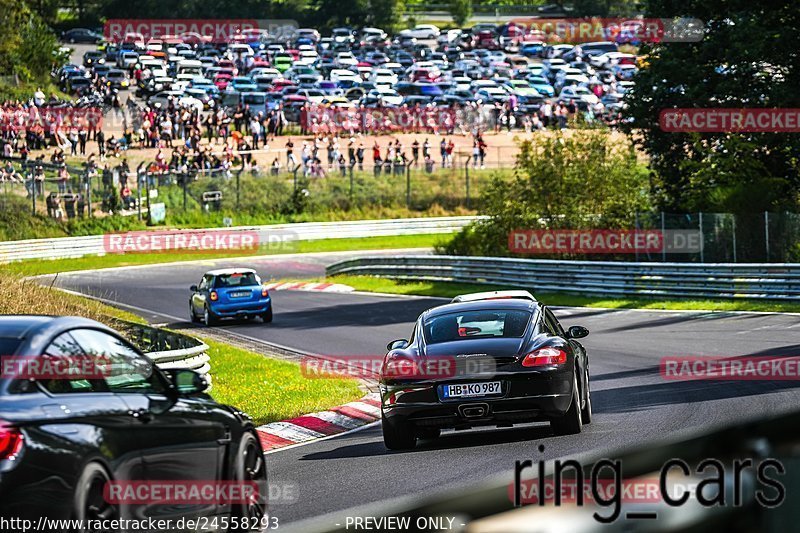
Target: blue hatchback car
229, 293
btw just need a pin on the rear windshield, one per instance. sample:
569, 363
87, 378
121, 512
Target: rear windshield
236, 280
476, 325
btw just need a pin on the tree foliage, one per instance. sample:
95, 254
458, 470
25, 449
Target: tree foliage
461, 10
748, 58
576, 180
28, 44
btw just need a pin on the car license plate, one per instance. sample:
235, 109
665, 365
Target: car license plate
240, 294
471, 390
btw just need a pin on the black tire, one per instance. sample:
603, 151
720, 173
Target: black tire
570, 423
586, 412
398, 434
192, 315
267, 317
88, 502
250, 466
209, 318
429, 433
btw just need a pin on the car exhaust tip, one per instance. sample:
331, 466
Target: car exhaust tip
473, 410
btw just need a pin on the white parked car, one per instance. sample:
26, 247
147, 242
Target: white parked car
345, 60
338, 75
578, 94
383, 76
422, 31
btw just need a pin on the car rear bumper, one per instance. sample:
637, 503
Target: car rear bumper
242, 309
526, 397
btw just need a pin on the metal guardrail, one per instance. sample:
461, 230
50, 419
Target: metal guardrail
72, 247
170, 350
780, 281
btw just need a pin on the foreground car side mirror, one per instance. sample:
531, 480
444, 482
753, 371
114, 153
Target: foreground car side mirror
193, 288
577, 332
188, 381
397, 344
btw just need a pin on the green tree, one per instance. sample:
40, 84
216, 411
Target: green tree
576, 180
461, 11
747, 58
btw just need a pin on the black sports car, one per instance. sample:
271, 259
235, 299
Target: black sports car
496, 361
65, 438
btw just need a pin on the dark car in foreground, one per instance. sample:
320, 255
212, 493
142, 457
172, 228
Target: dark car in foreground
66, 438
489, 362
229, 293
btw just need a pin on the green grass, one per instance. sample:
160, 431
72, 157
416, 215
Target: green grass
448, 290
270, 389
39, 267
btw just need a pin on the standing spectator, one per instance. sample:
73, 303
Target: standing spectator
83, 136
63, 179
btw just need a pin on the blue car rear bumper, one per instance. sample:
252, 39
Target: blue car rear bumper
241, 309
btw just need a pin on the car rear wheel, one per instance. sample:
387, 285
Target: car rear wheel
209, 318
571, 423
398, 434
267, 317
89, 502
250, 467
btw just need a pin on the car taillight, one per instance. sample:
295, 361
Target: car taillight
264, 292
11, 441
545, 356
213, 296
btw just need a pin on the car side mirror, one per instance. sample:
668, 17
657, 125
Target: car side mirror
188, 381
577, 332
397, 344
193, 288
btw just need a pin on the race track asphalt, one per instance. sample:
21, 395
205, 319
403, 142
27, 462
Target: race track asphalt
633, 404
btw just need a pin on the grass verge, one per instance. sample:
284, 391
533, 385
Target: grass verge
38, 267
267, 389
270, 389
448, 290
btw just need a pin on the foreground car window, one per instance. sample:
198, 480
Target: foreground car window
236, 280
475, 324
130, 372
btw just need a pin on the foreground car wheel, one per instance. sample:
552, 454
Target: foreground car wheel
397, 434
251, 467
89, 503
571, 423
267, 317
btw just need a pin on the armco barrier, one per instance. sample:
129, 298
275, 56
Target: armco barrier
780, 281
170, 350
71, 247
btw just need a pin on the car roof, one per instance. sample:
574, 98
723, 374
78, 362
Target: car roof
24, 326
483, 305
228, 271
494, 295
